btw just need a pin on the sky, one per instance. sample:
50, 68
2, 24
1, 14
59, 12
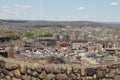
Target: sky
61, 10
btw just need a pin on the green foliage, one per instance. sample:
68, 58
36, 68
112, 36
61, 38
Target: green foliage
29, 34
14, 37
46, 35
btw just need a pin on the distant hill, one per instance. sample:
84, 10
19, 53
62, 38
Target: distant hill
30, 23
14, 21
113, 23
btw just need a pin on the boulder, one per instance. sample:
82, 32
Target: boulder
23, 68
26, 77
17, 74
11, 66
5, 72
10, 74
50, 77
76, 69
2, 63
91, 71
61, 77
8, 78
34, 73
63, 69
100, 74
117, 77
28, 71
39, 68
69, 70
43, 75
57, 69
48, 69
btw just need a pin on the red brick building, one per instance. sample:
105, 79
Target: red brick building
62, 44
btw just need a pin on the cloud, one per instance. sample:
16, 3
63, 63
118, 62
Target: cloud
15, 9
23, 6
81, 8
5, 7
115, 3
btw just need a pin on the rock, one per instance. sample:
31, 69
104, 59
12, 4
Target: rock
33, 78
112, 73
28, 71
43, 75
23, 77
50, 77
17, 74
23, 68
5, 72
2, 63
11, 66
117, 77
69, 70
39, 79
118, 71
83, 78
1, 69
107, 75
48, 69
100, 74
76, 69
70, 79
89, 78
94, 76
104, 68
57, 69
114, 66
107, 70
34, 66
83, 71
34, 73
39, 69
61, 77
63, 69
91, 71
15, 79
78, 76
2, 75
26, 77
73, 76
8, 78
104, 79
10, 74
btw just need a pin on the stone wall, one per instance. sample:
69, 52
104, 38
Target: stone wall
18, 70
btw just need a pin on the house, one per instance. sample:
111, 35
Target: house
62, 44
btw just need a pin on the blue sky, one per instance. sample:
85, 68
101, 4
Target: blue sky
61, 10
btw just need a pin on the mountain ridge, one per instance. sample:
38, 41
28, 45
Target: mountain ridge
63, 23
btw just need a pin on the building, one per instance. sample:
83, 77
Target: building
65, 37
62, 44
56, 37
73, 36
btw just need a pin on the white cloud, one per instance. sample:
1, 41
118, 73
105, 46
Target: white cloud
115, 3
23, 6
5, 7
15, 9
81, 8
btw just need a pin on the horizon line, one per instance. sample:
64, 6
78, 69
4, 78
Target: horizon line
59, 20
